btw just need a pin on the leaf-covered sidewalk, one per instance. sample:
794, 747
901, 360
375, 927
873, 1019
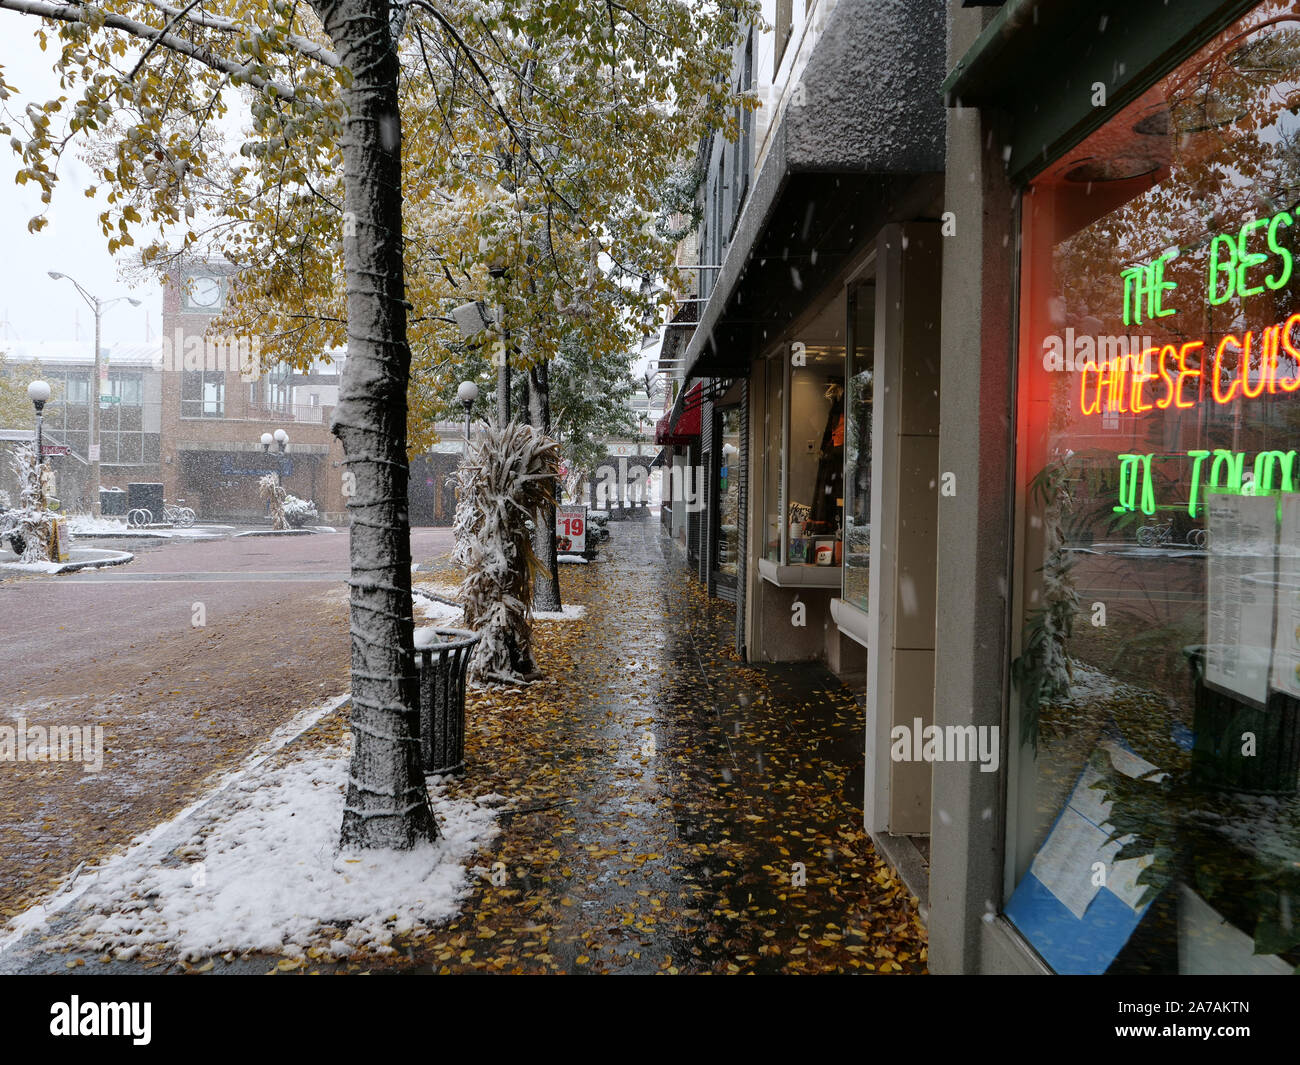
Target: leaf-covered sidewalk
673, 810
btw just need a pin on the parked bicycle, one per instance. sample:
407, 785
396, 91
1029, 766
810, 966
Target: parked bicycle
1163, 534
173, 513
178, 514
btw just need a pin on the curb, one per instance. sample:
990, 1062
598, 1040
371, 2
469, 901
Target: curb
275, 532
120, 558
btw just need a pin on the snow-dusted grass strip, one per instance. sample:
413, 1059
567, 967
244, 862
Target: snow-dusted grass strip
571, 560
270, 876
36, 916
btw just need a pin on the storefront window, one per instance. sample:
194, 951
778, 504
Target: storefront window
857, 443
1154, 820
773, 425
816, 510
729, 474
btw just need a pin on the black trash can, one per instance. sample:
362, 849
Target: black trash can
442, 699
112, 502
1220, 724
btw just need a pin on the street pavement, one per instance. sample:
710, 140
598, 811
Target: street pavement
187, 658
663, 806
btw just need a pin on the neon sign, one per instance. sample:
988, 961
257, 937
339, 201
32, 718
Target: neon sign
1180, 375
1226, 472
1120, 384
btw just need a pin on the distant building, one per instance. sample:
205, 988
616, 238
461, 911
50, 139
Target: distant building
217, 402
130, 420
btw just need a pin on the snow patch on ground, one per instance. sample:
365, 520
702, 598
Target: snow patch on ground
271, 879
33, 567
427, 635
568, 613
433, 610
1089, 685
572, 560
88, 523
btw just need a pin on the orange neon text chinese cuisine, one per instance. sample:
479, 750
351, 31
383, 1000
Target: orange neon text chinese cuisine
1242, 366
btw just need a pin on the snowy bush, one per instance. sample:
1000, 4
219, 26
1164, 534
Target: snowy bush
298, 512
499, 491
30, 520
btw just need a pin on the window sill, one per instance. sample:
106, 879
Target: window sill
801, 576
851, 620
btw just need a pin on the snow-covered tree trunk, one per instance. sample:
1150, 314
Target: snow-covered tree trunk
387, 803
546, 593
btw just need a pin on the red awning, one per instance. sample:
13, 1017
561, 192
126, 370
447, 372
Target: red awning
681, 425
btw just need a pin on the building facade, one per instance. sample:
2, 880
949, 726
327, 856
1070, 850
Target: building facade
1116, 556
128, 406
987, 406
218, 400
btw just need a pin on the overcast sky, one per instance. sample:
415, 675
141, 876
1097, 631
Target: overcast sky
33, 307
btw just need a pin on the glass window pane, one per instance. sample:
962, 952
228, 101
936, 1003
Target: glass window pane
1158, 592
857, 444
773, 416
815, 510
727, 439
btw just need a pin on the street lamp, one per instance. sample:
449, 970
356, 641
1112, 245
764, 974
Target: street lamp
281, 439
39, 393
98, 306
467, 393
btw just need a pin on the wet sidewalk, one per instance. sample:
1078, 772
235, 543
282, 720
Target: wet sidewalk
690, 813
664, 807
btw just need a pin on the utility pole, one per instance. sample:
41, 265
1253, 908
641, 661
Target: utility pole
96, 384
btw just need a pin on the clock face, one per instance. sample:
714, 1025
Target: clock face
205, 292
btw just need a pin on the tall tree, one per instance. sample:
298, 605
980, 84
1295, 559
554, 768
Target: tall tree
167, 69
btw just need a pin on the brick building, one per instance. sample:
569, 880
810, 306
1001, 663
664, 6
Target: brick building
217, 403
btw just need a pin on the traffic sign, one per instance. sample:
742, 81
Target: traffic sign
105, 400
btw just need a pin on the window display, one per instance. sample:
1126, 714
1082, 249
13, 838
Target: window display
729, 475
816, 458
1154, 820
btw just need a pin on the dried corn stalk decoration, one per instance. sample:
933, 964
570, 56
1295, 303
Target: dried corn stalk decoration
500, 490
271, 492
